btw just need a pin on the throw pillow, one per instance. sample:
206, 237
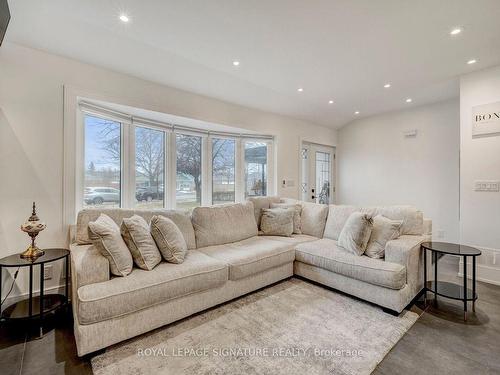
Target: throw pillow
169, 239
356, 233
135, 231
297, 208
105, 235
277, 222
384, 230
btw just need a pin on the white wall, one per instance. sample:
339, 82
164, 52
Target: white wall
377, 165
480, 160
31, 135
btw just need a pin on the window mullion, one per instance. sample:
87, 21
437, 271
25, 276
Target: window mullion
206, 172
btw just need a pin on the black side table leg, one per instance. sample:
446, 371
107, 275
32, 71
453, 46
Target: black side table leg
30, 303
434, 254
42, 280
465, 288
474, 284
425, 277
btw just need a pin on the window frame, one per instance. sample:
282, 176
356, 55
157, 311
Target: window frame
128, 126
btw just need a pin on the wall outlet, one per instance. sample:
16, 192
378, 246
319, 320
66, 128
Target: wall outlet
48, 272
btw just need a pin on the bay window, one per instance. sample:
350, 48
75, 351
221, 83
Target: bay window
138, 163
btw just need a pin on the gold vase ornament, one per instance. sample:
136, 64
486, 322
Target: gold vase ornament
33, 226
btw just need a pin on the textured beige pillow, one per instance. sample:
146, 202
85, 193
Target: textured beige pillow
106, 237
384, 230
135, 231
277, 222
297, 208
169, 239
356, 233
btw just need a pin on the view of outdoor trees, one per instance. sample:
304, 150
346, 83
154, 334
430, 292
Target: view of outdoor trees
102, 161
103, 153
149, 167
223, 170
188, 184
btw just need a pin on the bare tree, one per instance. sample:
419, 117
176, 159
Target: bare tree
149, 150
189, 159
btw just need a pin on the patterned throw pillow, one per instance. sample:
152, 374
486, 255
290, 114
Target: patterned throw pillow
135, 231
277, 222
297, 208
105, 235
384, 230
356, 233
169, 239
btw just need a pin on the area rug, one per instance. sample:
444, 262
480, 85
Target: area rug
294, 327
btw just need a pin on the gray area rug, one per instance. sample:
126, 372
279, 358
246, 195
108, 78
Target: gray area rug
293, 327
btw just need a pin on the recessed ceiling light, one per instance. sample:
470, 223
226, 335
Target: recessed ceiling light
387, 85
124, 18
456, 31
300, 89
473, 61
356, 113
236, 63
330, 102
409, 100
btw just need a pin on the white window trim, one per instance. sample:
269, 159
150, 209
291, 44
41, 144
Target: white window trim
75, 156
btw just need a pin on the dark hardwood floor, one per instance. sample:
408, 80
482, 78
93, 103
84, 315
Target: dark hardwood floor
440, 342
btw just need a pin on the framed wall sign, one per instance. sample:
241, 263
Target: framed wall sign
486, 119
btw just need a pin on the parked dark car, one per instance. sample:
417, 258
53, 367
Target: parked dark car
148, 194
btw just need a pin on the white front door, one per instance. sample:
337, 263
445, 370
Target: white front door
317, 183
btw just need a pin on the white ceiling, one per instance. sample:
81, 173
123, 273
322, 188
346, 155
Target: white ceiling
344, 50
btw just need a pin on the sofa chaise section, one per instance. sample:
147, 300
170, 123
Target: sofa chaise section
142, 289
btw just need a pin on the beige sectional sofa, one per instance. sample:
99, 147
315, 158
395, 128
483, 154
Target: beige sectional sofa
228, 258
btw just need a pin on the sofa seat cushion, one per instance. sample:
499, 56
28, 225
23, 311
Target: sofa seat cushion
251, 256
142, 289
326, 254
294, 239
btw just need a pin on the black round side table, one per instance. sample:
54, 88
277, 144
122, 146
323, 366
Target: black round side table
447, 289
35, 307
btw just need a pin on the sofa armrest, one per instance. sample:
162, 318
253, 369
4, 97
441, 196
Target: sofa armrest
406, 251
88, 266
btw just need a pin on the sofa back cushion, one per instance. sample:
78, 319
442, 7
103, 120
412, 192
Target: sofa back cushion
217, 225
337, 217
181, 218
260, 203
413, 219
313, 218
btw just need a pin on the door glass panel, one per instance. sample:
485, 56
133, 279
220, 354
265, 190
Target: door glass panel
255, 169
149, 168
188, 179
323, 169
102, 181
223, 157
